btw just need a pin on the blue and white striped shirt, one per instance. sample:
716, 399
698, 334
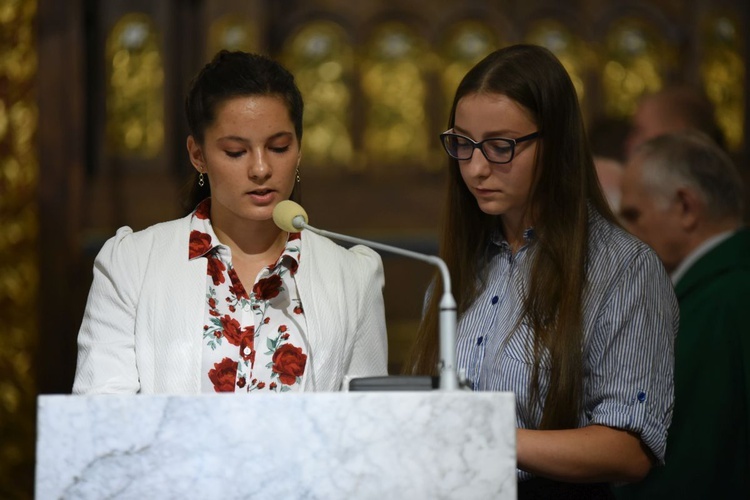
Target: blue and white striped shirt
630, 320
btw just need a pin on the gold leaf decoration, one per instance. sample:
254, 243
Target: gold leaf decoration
322, 60
395, 92
232, 32
19, 280
135, 88
635, 62
722, 71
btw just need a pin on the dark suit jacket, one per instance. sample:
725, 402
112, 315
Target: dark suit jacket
708, 446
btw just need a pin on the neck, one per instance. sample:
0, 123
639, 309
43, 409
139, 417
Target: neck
250, 238
704, 232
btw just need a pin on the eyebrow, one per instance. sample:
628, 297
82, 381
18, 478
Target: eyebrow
489, 135
243, 139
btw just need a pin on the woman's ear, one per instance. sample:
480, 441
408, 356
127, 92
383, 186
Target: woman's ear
196, 154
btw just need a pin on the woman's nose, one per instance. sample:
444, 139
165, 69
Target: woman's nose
477, 165
259, 167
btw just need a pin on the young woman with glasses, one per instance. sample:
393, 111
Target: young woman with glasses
556, 302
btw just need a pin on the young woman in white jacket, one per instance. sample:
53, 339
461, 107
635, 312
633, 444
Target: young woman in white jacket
223, 300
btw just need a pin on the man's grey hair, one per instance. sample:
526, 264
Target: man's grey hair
691, 159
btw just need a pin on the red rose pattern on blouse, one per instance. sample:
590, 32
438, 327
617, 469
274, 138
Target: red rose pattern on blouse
203, 210
200, 243
216, 269
289, 363
236, 287
268, 288
223, 375
236, 322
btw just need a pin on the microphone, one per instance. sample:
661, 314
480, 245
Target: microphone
291, 217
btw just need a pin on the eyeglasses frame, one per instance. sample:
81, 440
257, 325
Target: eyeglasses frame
479, 145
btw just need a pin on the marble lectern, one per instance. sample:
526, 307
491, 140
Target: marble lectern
351, 445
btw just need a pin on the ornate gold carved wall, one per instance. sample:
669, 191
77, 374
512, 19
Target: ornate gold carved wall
396, 96
322, 60
377, 99
635, 60
18, 237
135, 88
723, 74
232, 32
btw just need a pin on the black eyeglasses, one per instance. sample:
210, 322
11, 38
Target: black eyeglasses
495, 149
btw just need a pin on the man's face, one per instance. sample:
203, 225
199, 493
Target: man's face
654, 218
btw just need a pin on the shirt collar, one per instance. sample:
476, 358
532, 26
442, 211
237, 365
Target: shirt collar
202, 236
497, 237
290, 257
203, 240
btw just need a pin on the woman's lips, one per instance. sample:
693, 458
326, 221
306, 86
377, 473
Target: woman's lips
485, 192
262, 196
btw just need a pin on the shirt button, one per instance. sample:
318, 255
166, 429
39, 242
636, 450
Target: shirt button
246, 308
641, 396
495, 299
479, 340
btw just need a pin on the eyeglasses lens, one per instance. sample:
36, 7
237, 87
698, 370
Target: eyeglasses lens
461, 148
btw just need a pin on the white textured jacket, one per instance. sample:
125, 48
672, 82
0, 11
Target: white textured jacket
141, 331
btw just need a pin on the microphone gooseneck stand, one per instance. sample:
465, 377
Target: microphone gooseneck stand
447, 368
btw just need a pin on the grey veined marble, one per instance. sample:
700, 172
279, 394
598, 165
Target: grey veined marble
363, 445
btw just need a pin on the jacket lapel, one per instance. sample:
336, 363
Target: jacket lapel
179, 289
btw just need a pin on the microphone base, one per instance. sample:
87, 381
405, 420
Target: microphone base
395, 383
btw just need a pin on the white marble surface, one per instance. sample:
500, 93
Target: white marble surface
363, 445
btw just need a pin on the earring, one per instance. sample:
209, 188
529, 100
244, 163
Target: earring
297, 173
201, 182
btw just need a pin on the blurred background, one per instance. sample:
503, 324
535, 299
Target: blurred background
92, 134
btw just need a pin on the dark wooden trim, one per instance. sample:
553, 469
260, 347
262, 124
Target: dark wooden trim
61, 101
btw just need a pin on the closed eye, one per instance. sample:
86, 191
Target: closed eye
282, 149
235, 154
498, 147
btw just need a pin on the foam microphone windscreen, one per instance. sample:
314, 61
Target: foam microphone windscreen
284, 214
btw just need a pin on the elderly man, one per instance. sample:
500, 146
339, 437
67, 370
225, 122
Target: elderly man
682, 195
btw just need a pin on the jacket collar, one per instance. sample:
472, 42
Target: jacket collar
724, 258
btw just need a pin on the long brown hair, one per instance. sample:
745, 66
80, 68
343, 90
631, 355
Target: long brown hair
564, 189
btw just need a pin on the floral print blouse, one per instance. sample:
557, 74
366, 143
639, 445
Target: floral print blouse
251, 341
